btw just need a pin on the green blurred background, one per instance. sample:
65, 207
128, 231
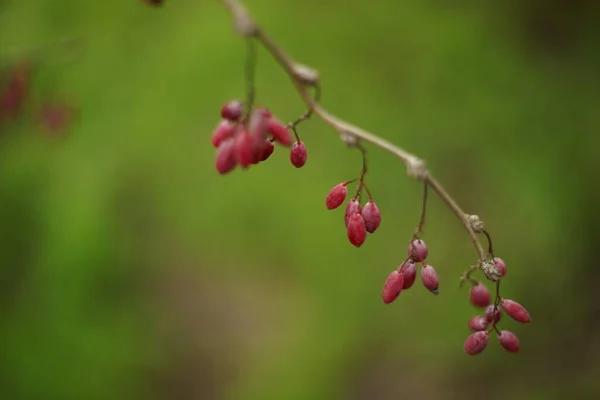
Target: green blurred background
132, 270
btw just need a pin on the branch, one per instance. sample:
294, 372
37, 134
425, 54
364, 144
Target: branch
303, 78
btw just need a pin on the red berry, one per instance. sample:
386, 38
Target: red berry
476, 343
226, 158
244, 149
493, 311
500, 266
479, 295
298, 154
267, 150
509, 341
409, 270
357, 232
392, 287
478, 323
15, 91
224, 130
232, 111
336, 196
430, 278
417, 250
372, 216
279, 132
353, 207
257, 125
515, 311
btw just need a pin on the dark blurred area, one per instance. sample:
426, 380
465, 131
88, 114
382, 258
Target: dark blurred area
131, 270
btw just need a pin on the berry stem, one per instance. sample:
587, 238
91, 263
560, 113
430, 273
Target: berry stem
250, 69
361, 178
489, 239
424, 209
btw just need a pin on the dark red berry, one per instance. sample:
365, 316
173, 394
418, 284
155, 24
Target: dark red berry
267, 150
392, 287
226, 158
336, 196
244, 149
493, 311
500, 266
372, 216
257, 125
55, 117
515, 311
357, 232
279, 131
476, 343
509, 341
479, 295
430, 278
353, 207
298, 154
15, 91
224, 130
417, 250
232, 111
478, 323
409, 270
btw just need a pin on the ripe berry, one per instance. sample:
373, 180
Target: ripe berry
372, 216
279, 132
476, 343
336, 196
509, 341
224, 130
392, 287
500, 266
478, 323
244, 149
430, 278
353, 207
267, 150
15, 91
257, 125
417, 250
516, 311
409, 270
479, 295
232, 111
357, 232
298, 154
492, 311
226, 158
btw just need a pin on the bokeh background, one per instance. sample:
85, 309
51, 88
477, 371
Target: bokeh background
131, 270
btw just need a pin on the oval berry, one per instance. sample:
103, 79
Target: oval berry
298, 154
430, 278
357, 233
267, 150
493, 311
478, 323
479, 295
244, 149
392, 287
500, 266
509, 341
232, 110
417, 250
372, 216
224, 130
409, 270
336, 196
476, 343
279, 132
226, 158
515, 311
353, 207
258, 123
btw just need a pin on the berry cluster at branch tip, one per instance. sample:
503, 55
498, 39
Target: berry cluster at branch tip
244, 141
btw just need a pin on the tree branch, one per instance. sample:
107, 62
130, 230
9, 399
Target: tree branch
303, 78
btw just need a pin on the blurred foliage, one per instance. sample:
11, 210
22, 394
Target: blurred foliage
131, 270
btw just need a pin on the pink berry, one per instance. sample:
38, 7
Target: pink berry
298, 154
244, 149
226, 158
409, 270
353, 207
258, 123
515, 311
500, 266
224, 130
267, 150
372, 216
279, 132
392, 287
357, 232
476, 343
417, 250
336, 196
232, 110
479, 295
493, 312
430, 278
478, 323
509, 341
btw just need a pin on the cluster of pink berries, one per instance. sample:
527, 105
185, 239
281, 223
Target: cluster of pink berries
358, 219
480, 296
404, 277
252, 140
